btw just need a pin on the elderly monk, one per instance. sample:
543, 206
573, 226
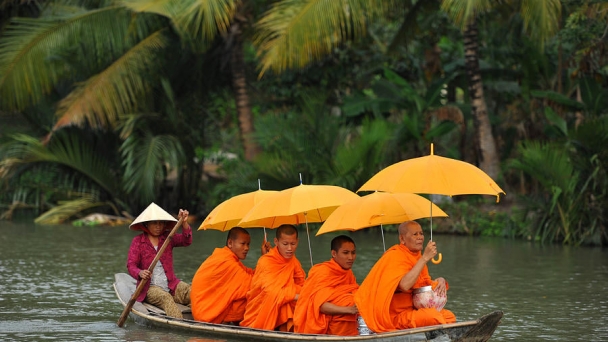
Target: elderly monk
326, 304
221, 283
276, 284
384, 299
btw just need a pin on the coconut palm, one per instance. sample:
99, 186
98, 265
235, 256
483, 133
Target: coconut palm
541, 19
120, 50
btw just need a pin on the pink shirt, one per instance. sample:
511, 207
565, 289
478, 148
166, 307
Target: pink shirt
142, 253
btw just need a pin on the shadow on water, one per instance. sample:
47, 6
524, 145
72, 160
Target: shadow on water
56, 282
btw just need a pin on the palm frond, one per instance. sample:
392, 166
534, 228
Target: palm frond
67, 209
541, 18
64, 149
549, 164
205, 18
294, 33
29, 67
146, 161
102, 98
166, 8
464, 11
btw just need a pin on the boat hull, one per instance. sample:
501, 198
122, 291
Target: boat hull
479, 330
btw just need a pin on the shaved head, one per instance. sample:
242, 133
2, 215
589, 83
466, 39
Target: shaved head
404, 228
338, 241
234, 233
286, 229
411, 236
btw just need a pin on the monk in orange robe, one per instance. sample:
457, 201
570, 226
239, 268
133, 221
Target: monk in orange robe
326, 304
384, 299
276, 284
220, 285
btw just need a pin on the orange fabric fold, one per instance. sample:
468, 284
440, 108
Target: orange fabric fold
326, 282
219, 288
270, 301
384, 307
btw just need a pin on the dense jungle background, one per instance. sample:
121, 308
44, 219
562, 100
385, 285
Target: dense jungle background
106, 106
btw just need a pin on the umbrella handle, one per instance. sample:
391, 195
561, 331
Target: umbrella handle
439, 258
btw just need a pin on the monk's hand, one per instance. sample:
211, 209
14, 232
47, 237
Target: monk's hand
265, 247
144, 274
353, 310
183, 214
441, 288
430, 251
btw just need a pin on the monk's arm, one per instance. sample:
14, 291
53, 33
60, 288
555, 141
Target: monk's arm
409, 279
333, 309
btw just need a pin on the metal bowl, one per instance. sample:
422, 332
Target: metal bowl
423, 289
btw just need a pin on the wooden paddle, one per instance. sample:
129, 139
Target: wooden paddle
142, 283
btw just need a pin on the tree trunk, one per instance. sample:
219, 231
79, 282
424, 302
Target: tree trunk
239, 82
485, 144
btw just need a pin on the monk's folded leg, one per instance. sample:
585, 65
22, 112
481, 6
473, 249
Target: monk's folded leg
341, 326
426, 317
236, 311
448, 316
285, 317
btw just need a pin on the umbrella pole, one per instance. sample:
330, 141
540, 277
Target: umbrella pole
383, 244
431, 219
308, 236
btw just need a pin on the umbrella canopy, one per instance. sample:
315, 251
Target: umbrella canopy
379, 208
433, 174
300, 204
229, 213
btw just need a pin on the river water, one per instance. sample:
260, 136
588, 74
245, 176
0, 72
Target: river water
56, 282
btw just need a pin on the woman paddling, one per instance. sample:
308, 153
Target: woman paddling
164, 289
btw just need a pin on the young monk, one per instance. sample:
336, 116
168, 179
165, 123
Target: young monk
384, 299
221, 283
276, 284
326, 304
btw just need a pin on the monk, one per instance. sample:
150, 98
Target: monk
384, 299
221, 283
276, 284
326, 304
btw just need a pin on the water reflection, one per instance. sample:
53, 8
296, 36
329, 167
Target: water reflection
56, 282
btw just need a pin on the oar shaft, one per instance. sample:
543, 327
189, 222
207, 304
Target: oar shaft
143, 282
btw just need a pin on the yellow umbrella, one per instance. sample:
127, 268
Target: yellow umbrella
300, 204
433, 174
377, 209
230, 212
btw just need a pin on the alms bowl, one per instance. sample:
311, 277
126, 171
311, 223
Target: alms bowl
425, 297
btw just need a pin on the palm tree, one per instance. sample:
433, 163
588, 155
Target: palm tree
541, 19
124, 48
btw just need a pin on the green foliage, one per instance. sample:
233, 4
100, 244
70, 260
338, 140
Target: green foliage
312, 143
566, 206
478, 217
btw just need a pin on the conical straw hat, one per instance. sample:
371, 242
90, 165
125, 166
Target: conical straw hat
152, 213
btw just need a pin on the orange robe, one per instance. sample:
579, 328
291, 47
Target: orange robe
219, 288
326, 282
270, 301
384, 307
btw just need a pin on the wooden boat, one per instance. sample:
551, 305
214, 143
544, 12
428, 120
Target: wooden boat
479, 330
